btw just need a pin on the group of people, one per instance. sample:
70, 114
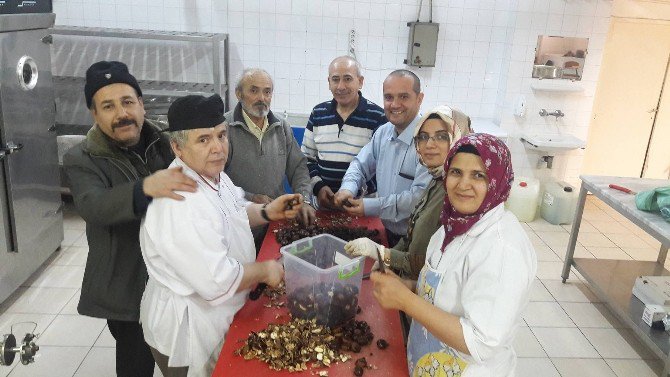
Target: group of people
175, 217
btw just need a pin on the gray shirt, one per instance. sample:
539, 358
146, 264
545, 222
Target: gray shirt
259, 167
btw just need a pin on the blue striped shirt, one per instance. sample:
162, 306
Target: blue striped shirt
330, 143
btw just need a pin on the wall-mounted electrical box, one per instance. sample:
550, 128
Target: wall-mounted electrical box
422, 46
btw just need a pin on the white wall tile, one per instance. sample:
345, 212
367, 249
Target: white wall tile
484, 54
315, 8
470, 17
281, 6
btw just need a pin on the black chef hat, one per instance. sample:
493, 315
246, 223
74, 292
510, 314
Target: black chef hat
104, 73
190, 112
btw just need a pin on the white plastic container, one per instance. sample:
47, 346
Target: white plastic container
524, 198
558, 203
322, 281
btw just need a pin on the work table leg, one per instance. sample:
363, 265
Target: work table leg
662, 254
576, 222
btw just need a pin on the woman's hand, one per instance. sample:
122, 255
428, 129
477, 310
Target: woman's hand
363, 247
390, 290
287, 206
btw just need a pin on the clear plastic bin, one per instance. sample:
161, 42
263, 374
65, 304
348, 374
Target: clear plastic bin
322, 281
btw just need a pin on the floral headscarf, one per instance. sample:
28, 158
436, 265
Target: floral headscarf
497, 161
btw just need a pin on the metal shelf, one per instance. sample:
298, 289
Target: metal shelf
612, 281
157, 97
138, 34
82, 46
149, 87
556, 85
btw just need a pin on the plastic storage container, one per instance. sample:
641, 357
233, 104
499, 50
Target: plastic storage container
322, 281
558, 203
524, 198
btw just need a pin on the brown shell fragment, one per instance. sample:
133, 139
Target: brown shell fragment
337, 225
300, 343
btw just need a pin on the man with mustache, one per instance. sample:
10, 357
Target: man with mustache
338, 129
263, 149
114, 174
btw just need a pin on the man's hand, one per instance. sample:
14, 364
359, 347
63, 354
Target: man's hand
287, 206
260, 198
326, 198
274, 273
389, 290
307, 215
363, 247
341, 196
354, 207
164, 183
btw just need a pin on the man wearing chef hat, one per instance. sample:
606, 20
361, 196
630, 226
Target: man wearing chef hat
200, 252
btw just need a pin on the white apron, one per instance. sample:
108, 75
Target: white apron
427, 356
188, 328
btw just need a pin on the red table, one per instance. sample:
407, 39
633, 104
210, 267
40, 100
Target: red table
254, 317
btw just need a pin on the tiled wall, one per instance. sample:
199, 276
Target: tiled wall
484, 56
570, 18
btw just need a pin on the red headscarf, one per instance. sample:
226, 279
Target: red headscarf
497, 161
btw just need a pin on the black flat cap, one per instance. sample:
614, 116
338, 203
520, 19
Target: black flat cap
104, 73
191, 112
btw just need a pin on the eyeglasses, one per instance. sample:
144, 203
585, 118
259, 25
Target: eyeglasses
440, 138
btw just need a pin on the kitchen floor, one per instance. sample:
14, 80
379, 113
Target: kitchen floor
565, 330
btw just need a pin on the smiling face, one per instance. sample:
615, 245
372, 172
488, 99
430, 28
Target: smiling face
119, 113
432, 142
466, 183
344, 82
401, 102
205, 150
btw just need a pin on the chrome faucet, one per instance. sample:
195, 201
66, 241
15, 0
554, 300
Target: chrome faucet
557, 113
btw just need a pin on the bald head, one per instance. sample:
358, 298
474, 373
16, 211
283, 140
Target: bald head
345, 81
416, 86
346, 62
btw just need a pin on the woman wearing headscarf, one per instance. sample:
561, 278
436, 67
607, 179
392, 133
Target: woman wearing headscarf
478, 272
433, 136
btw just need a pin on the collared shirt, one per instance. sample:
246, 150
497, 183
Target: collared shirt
401, 179
258, 132
330, 142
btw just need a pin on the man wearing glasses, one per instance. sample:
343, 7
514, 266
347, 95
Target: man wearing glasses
391, 155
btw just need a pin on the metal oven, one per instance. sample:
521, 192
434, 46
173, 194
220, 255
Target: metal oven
31, 222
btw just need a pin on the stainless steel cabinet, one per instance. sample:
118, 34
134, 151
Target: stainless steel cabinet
31, 225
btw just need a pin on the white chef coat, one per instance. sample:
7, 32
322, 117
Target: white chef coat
194, 251
487, 277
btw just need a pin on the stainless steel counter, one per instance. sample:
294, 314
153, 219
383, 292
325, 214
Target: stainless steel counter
612, 280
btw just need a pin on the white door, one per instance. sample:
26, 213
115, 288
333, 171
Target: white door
632, 74
657, 163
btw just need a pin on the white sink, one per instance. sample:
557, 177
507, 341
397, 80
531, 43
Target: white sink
552, 143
